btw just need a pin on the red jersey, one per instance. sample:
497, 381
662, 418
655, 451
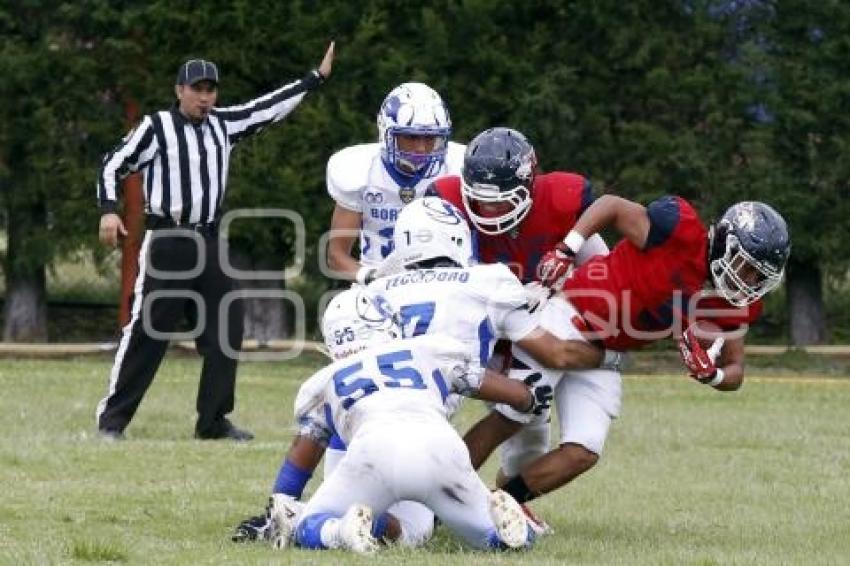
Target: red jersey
559, 199
635, 296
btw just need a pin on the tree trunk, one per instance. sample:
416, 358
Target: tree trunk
265, 319
805, 303
25, 308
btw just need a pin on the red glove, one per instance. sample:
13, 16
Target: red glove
555, 264
699, 363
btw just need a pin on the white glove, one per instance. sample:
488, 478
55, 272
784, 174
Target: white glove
537, 295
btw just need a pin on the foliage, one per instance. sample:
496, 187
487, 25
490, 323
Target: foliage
715, 100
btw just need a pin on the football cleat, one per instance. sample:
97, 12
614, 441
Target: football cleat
511, 524
284, 512
254, 528
355, 530
537, 524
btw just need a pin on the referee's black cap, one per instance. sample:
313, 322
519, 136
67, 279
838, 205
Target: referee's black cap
195, 70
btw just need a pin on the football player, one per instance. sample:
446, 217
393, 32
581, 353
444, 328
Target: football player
377, 401
519, 214
650, 287
372, 182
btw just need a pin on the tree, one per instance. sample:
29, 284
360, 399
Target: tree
50, 69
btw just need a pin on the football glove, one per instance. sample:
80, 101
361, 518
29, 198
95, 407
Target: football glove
555, 264
541, 395
699, 361
536, 296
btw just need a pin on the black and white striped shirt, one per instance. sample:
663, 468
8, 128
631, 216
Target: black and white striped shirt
185, 165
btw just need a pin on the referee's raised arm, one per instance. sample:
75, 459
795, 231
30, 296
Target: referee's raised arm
249, 118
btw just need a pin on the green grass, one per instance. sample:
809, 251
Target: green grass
690, 476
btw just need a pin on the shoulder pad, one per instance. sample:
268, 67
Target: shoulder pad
348, 172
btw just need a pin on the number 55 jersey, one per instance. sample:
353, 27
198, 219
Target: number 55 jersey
397, 380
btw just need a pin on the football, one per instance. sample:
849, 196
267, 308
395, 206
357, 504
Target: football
706, 332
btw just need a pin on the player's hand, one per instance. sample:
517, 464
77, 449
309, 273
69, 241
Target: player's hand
536, 295
555, 264
326, 66
541, 395
111, 229
698, 360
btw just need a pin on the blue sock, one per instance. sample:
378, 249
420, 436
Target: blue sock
308, 534
494, 542
291, 479
379, 525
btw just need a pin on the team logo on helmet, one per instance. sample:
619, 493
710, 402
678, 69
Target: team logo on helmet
442, 211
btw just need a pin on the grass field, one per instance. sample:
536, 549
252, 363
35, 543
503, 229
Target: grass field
690, 476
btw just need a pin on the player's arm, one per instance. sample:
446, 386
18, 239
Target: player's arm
556, 353
487, 385
731, 363
629, 218
345, 227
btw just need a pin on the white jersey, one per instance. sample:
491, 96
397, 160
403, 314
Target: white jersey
477, 305
358, 180
402, 379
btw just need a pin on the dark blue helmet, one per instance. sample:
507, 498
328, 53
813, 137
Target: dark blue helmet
498, 173
748, 249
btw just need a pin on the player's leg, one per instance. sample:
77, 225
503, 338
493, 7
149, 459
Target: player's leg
529, 444
460, 499
335, 517
586, 402
295, 471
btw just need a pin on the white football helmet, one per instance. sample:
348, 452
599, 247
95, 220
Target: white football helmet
414, 109
356, 319
429, 228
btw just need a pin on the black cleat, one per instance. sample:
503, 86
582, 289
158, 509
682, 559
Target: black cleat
254, 528
226, 431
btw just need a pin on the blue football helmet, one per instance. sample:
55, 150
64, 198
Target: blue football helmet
748, 249
414, 109
498, 171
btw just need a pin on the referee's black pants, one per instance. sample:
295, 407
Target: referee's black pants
160, 300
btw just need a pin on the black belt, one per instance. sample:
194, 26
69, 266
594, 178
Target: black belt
153, 222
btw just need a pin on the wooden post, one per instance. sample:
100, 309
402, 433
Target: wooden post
134, 222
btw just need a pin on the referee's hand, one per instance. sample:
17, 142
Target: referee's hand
111, 228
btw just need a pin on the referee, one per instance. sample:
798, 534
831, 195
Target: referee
184, 153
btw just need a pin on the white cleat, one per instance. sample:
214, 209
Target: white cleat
283, 515
509, 519
355, 530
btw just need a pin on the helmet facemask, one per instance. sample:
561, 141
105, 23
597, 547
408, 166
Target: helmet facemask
412, 163
476, 194
739, 277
